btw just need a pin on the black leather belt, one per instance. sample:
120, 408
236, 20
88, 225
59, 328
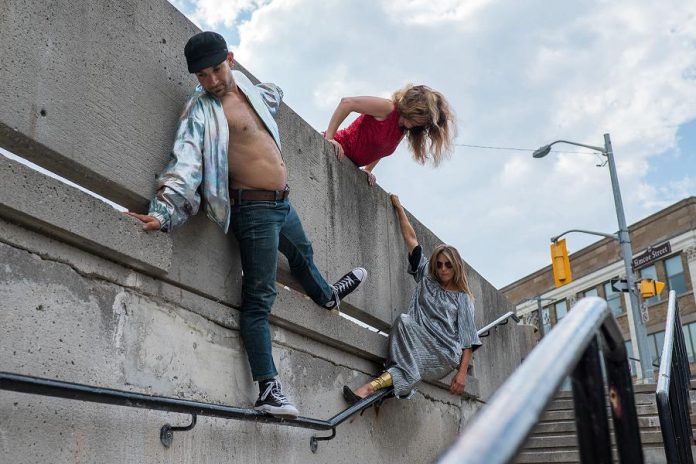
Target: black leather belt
238, 196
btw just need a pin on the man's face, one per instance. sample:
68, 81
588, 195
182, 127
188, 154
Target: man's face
217, 79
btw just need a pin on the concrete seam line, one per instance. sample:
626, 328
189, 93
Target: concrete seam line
163, 300
431, 398
140, 290
299, 350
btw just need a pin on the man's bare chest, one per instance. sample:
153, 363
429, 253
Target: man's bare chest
242, 119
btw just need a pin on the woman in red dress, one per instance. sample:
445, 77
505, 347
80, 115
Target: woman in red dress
416, 111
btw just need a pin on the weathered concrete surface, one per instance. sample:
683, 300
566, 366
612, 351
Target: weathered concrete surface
96, 90
292, 309
93, 331
52, 207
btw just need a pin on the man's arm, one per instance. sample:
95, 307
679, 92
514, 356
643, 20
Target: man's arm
459, 380
177, 197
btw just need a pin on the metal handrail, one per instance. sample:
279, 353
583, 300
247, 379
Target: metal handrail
502, 320
76, 391
498, 432
673, 401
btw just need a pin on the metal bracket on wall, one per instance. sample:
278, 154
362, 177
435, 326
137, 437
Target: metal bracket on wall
314, 441
167, 431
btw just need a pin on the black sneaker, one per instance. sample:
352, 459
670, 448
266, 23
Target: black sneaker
272, 401
346, 285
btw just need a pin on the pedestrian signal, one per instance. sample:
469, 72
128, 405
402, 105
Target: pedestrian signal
650, 287
560, 263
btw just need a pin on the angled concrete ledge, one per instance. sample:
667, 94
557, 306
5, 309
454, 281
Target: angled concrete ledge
51, 207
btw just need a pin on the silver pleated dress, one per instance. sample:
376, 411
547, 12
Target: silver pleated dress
426, 342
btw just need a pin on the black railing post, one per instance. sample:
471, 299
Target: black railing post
673, 390
679, 391
591, 418
621, 397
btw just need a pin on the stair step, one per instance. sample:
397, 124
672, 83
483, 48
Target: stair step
556, 427
570, 440
651, 455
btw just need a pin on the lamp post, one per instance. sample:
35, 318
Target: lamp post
646, 367
538, 299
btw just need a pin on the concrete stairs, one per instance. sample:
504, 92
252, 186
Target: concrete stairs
554, 439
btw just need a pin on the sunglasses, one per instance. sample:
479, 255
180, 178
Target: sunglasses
447, 264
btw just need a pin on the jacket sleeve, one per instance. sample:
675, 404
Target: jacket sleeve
272, 96
177, 197
417, 263
466, 325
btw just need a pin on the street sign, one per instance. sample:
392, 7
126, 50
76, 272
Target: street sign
651, 255
619, 285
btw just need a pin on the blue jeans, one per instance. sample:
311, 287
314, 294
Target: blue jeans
262, 228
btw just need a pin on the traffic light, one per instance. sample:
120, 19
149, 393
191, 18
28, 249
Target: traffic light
649, 288
561, 263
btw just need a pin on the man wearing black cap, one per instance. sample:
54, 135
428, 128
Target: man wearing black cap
227, 150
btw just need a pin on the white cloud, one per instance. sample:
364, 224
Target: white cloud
209, 14
519, 74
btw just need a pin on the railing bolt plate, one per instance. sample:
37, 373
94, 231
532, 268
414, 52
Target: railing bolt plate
166, 435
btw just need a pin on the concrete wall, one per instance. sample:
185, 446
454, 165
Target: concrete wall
94, 89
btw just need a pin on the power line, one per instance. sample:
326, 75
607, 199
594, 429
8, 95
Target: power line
486, 147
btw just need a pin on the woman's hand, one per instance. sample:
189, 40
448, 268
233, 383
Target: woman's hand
371, 178
395, 200
458, 383
337, 148
149, 222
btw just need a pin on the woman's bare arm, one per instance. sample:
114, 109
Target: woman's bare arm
407, 230
374, 106
459, 380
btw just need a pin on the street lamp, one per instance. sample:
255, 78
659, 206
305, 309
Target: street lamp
625, 243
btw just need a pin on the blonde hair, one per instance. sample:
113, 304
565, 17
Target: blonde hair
451, 253
435, 122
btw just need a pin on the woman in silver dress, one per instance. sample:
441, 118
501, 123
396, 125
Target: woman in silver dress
437, 334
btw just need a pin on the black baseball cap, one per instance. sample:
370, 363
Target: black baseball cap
205, 49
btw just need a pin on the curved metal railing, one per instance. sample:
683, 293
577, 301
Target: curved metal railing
75, 391
673, 386
499, 431
502, 320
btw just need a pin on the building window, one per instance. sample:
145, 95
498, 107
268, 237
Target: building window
689, 331
650, 273
591, 292
655, 342
675, 274
613, 299
561, 310
546, 319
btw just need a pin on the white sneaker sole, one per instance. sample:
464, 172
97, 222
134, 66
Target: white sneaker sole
286, 412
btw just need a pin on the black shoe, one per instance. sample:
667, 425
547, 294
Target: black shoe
272, 401
345, 286
350, 397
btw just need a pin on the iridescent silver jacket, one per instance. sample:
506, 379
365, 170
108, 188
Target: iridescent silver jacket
198, 164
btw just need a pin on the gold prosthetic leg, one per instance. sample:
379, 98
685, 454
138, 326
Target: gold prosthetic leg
383, 381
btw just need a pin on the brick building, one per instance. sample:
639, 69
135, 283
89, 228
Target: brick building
664, 247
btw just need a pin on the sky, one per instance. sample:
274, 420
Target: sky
519, 75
